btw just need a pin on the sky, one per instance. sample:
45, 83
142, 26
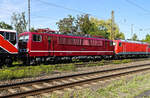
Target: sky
45, 13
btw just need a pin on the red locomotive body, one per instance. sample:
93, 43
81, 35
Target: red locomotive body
57, 45
8, 46
131, 48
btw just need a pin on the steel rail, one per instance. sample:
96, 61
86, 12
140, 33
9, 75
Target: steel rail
67, 76
58, 87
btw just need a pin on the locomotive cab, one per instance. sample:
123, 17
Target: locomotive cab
8, 46
23, 40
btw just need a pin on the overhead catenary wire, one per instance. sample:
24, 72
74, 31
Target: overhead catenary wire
66, 8
60, 6
138, 6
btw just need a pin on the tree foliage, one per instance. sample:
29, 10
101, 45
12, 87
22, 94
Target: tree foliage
19, 22
67, 25
147, 39
32, 29
3, 25
103, 28
84, 24
75, 25
120, 36
134, 37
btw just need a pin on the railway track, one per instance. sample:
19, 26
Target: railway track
37, 87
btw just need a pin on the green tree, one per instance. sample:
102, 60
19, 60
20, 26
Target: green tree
120, 36
19, 22
84, 24
134, 37
67, 25
103, 28
32, 29
147, 39
3, 25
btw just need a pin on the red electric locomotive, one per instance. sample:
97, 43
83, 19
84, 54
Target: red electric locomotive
124, 48
35, 46
8, 46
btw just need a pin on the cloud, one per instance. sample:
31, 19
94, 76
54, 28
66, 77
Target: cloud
38, 19
7, 7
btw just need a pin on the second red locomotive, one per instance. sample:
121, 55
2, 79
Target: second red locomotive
125, 49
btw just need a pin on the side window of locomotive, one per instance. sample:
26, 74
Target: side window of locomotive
37, 38
7, 35
120, 44
12, 37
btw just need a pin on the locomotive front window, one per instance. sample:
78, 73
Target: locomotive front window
37, 38
24, 38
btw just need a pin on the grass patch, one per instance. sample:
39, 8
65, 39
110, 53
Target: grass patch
8, 73
117, 89
121, 61
17, 62
127, 89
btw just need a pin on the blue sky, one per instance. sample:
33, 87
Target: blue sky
45, 15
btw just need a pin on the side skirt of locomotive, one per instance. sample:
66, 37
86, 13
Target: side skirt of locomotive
124, 55
27, 60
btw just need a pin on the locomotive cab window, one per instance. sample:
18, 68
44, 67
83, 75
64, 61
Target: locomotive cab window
37, 38
24, 38
120, 44
10, 37
2, 33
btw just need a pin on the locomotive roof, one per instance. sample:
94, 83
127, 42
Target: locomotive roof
63, 35
6, 30
130, 41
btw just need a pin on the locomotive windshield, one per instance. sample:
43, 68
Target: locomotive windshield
24, 38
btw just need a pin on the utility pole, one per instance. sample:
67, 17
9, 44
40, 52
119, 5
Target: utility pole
29, 14
112, 34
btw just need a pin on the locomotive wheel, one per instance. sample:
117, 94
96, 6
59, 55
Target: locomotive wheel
8, 61
57, 60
